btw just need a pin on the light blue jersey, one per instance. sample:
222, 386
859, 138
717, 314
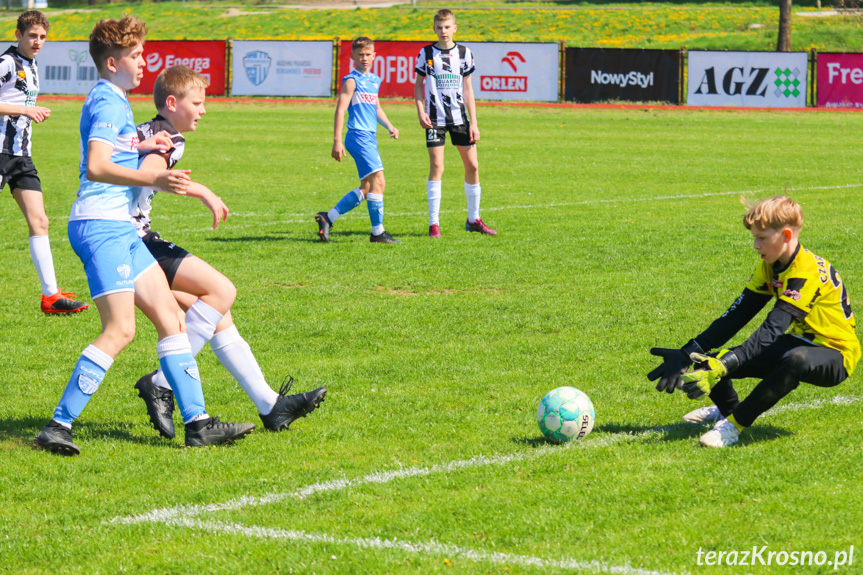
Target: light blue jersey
106, 117
363, 109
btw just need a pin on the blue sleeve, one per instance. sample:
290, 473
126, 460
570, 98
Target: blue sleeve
107, 118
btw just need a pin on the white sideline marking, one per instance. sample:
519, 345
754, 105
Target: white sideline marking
431, 547
307, 218
170, 513
182, 516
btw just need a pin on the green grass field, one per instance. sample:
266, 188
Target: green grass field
619, 230
666, 25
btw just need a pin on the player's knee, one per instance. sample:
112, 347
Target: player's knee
226, 292
39, 225
795, 361
121, 333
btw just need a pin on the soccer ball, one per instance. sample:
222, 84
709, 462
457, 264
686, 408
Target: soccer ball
565, 414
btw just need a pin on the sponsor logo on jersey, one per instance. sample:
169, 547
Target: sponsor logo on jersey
257, 65
366, 98
777, 285
793, 294
447, 81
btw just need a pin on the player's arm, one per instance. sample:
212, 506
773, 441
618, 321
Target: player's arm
419, 100
100, 168
345, 95
676, 361
470, 104
385, 122
158, 142
214, 203
35, 113
710, 370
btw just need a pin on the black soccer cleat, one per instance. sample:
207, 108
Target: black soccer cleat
57, 438
383, 238
324, 226
211, 431
289, 408
160, 405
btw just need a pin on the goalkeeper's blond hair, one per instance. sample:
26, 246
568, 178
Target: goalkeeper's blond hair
773, 213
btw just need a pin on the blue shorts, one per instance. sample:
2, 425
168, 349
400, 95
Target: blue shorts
113, 255
363, 148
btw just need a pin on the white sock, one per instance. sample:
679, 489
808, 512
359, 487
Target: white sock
472, 192
40, 253
433, 190
201, 321
237, 357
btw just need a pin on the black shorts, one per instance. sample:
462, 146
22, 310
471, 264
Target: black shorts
19, 172
168, 254
459, 135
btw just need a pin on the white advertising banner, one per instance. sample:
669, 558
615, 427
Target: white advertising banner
275, 68
756, 79
515, 71
66, 68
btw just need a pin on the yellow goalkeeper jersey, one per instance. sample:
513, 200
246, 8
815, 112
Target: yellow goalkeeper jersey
810, 289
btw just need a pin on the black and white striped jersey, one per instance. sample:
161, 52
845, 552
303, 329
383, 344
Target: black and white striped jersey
142, 204
19, 86
445, 71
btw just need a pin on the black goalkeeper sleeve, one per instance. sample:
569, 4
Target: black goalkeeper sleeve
735, 317
775, 324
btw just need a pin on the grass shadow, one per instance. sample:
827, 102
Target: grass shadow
23, 431
272, 238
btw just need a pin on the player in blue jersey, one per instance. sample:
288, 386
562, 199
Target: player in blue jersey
120, 271
359, 97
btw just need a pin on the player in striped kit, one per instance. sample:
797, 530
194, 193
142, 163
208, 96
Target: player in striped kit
444, 98
359, 97
19, 88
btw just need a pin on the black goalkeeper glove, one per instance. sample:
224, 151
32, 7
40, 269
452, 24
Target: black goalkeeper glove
674, 364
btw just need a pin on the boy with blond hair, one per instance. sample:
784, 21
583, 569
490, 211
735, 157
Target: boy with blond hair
205, 294
120, 271
19, 88
444, 99
821, 347
359, 98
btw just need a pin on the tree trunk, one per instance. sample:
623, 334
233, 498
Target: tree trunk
783, 40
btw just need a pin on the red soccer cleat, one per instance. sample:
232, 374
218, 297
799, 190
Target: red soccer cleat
62, 302
479, 226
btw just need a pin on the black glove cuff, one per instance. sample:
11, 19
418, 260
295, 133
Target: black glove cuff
730, 361
692, 346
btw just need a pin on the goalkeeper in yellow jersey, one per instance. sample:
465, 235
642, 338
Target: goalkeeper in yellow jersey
820, 348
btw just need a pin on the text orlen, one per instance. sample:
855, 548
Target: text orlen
623, 80
503, 83
761, 556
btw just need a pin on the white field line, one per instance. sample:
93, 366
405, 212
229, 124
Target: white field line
427, 548
302, 218
171, 513
182, 516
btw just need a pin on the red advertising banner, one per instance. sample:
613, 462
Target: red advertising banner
840, 80
204, 56
395, 63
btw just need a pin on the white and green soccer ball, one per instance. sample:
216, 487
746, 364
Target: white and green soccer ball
565, 414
